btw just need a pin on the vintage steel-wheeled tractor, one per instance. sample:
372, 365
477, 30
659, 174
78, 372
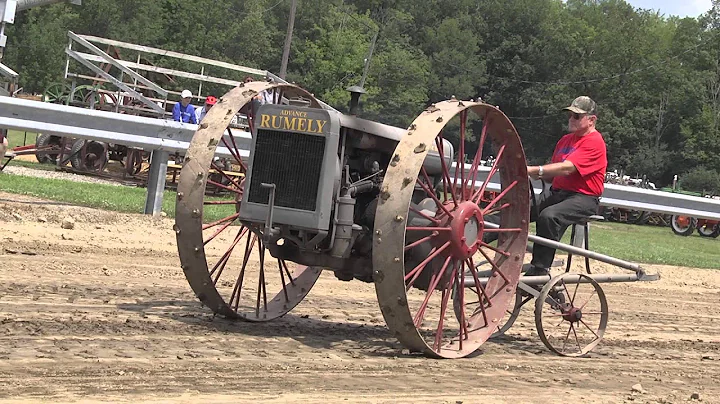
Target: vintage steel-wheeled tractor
328, 191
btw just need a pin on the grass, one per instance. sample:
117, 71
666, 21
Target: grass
19, 138
641, 244
109, 197
653, 244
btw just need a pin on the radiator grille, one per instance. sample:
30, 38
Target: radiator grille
293, 163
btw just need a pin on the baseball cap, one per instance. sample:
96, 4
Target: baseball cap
582, 105
186, 94
210, 100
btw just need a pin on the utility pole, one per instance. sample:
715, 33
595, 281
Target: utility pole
367, 59
288, 40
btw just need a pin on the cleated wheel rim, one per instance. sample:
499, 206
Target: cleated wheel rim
571, 318
225, 261
512, 313
423, 247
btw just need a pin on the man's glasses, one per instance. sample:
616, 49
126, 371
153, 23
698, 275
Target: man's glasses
576, 116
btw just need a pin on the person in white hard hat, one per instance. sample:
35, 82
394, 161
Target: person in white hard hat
183, 111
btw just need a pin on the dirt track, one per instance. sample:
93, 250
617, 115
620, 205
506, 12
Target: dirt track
103, 312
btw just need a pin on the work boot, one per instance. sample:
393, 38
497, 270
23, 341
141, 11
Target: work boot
534, 271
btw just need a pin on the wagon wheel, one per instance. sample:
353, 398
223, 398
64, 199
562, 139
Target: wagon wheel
709, 230
571, 319
683, 225
44, 143
225, 261
133, 161
83, 93
419, 253
56, 93
92, 157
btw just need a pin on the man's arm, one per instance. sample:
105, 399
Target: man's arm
176, 112
193, 118
552, 170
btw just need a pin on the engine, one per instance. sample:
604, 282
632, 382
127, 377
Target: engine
312, 185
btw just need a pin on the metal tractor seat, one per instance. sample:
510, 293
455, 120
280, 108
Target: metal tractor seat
580, 236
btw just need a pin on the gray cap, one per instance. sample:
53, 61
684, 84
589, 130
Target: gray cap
582, 105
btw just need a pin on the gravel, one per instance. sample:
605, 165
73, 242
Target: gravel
31, 172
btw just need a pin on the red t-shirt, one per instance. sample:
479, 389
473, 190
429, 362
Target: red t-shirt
589, 155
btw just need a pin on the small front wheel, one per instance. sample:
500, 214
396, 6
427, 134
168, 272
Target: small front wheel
571, 314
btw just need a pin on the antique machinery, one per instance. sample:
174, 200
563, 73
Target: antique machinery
323, 190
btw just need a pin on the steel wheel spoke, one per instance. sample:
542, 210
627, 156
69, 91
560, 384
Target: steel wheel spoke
226, 256
588, 300
225, 187
572, 327
589, 329
513, 230
422, 240
446, 172
424, 216
501, 252
443, 307
460, 165
496, 268
572, 299
480, 292
220, 230
416, 271
241, 277
432, 195
287, 271
493, 170
224, 174
497, 210
223, 220
219, 202
282, 279
414, 228
237, 151
499, 196
567, 337
437, 275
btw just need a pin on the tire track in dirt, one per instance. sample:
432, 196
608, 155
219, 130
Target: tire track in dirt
117, 321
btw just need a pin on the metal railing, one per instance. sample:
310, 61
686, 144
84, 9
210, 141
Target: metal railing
169, 136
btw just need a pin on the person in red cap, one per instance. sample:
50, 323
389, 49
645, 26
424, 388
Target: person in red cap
577, 174
201, 112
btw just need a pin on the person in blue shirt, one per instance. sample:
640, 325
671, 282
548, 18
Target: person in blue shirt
183, 111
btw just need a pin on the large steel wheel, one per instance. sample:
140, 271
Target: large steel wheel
225, 261
429, 234
571, 319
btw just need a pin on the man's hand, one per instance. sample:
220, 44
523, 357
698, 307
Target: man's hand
551, 170
534, 172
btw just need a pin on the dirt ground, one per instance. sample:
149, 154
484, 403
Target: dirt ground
102, 312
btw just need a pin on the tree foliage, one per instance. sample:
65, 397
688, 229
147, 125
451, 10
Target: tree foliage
656, 78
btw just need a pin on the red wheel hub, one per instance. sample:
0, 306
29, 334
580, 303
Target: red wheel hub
683, 221
466, 230
573, 315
